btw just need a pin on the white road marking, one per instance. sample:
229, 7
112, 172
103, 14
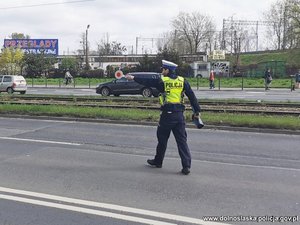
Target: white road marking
83, 210
99, 205
251, 166
39, 141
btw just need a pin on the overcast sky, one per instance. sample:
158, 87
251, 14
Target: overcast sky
123, 20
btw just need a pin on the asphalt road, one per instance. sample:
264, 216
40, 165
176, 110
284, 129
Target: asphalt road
235, 175
203, 93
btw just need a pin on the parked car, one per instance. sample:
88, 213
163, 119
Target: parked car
128, 87
13, 83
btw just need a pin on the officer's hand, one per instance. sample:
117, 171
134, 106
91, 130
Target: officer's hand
129, 77
196, 115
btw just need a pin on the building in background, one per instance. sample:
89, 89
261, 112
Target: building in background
121, 61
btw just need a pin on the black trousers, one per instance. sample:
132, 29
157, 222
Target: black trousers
174, 122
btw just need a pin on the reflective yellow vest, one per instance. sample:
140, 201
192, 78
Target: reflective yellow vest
173, 91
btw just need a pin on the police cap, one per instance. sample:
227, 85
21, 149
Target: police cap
168, 65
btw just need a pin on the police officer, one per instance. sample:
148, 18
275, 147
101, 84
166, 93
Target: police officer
172, 89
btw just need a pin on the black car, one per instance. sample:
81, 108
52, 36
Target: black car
128, 87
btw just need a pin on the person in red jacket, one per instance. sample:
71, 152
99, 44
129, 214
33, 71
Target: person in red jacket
211, 79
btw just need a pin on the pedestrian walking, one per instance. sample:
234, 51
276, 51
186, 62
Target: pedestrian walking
297, 79
172, 89
268, 79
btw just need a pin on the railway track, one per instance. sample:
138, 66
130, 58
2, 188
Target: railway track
292, 109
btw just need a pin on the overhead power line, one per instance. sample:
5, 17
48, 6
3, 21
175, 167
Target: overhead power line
44, 4
229, 26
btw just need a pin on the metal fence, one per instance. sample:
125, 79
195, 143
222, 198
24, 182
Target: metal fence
240, 83
220, 82
278, 69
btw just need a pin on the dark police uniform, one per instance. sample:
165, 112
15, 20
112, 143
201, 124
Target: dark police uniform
172, 89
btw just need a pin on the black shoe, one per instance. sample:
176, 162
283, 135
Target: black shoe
185, 171
153, 163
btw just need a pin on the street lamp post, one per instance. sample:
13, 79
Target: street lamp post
86, 49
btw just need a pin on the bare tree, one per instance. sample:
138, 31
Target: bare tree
171, 41
275, 15
195, 29
285, 14
105, 47
295, 13
166, 41
294, 16
82, 51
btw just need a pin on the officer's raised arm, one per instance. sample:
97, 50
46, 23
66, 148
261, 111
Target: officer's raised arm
146, 81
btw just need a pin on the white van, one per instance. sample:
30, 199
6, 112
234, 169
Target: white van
13, 83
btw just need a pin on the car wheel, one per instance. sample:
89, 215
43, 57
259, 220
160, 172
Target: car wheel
105, 91
117, 95
22, 92
147, 92
10, 90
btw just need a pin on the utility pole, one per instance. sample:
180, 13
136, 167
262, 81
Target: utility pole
136, 45
141, 39
87, 65
223, 36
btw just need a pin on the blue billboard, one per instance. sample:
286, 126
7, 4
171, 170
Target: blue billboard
35, 46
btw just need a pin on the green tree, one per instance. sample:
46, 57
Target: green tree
71, 64
110, 70
11, 61
154, 65
37, 65
168, 54
147, 65
16, 35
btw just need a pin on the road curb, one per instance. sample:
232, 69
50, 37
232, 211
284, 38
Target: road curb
148, 123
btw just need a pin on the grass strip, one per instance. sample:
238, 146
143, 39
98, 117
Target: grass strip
229, 119
224, 82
